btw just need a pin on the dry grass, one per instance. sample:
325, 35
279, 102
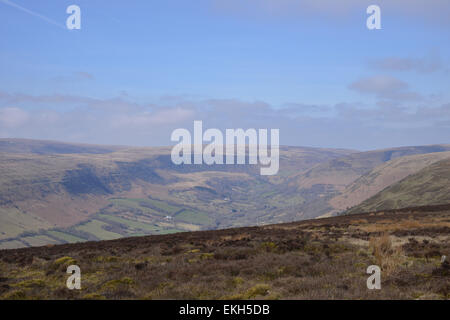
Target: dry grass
317, 259
387, 257
392, 225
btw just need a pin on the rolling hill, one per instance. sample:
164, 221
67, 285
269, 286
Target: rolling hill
328, 187
52, 192
80, 192
51, 147
383, 176
429, 186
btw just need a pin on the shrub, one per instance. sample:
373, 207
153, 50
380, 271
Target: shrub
387, 257
118, 283
269, 246
15, 295
258, 290
31, 284
237, 281
206, 256
65, 261
93, 296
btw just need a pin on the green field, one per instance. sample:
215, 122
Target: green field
162, 209
12, 244
147, 205
95, 227
13, 222
65, 236
39, 240
131, 223
170, 231
170, 209
136, 205
194, 217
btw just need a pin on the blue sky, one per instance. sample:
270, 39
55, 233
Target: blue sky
139, 69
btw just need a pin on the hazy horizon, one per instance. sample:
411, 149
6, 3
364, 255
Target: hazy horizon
131, 75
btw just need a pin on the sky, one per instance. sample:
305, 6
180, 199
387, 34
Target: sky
137, 70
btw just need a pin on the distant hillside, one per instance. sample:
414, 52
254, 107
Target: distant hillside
52, 147
53, 192
342, 171
429, 186
322, 184
80, 193
383, 176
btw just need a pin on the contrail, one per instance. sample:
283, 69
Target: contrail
12, 4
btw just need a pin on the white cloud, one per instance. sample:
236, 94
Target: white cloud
349, 125
167, 116
13, 117
385, 87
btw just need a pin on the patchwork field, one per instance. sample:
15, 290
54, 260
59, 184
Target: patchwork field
123, 217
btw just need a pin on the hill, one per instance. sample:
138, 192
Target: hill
51, 147
429, 186
53, 193
92, 195
383, 176
314, 259
328, 186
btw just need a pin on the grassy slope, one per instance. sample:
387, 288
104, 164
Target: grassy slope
14, 222
383, 176
430, 186
342, 171
327, 180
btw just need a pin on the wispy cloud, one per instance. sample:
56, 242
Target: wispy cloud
35, 14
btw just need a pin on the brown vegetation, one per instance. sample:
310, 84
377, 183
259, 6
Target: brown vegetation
315, 259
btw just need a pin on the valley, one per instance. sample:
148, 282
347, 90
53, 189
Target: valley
56, 193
